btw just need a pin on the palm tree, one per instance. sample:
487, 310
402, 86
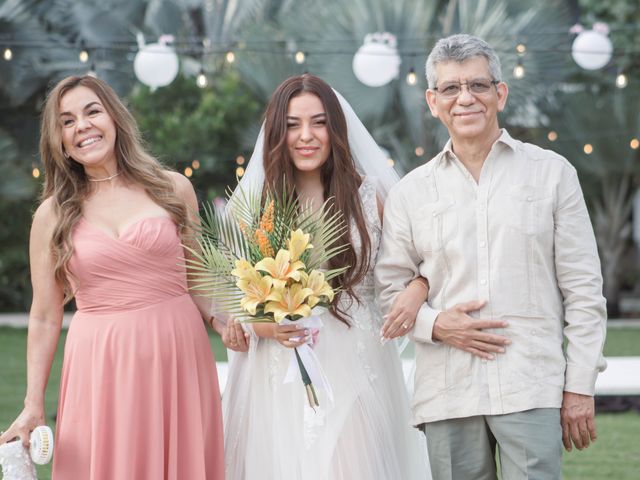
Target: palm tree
598, 143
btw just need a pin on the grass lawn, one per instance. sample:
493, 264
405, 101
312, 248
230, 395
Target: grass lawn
622, 342
614, 456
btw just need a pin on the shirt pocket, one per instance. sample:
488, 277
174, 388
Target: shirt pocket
529, 209
435, 224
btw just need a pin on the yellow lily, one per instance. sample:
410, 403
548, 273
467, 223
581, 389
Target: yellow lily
244, 270
321, 288
287, 302
281, 268
298, 243
256, 290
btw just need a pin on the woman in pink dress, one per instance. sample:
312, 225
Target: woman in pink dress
139, 392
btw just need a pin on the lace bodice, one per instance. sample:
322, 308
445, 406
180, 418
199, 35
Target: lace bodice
367, 192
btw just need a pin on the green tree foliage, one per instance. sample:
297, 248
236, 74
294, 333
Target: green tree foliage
16, 191
182, 123
609, 171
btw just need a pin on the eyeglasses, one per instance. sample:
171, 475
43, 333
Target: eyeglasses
475, 87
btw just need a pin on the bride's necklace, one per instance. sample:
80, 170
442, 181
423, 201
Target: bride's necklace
103, 179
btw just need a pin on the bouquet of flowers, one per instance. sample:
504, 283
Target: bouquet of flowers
260, 260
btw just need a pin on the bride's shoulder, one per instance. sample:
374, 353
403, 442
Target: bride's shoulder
367, 185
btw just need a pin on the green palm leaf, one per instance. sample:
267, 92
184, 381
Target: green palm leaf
224, 236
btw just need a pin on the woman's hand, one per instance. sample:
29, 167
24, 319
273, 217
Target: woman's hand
22, 427
286, 333
234, 337
402, 316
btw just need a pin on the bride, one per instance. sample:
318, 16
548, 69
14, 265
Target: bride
312, 138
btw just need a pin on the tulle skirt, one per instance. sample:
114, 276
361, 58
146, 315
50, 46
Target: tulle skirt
271, 433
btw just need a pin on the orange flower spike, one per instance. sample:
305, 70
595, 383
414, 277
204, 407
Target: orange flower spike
263, 243
266, 223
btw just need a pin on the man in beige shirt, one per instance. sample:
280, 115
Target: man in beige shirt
500, 230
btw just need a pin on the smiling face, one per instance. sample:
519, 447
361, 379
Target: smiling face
468, 116
307, 133
88, 131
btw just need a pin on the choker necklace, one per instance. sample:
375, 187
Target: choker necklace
103, 179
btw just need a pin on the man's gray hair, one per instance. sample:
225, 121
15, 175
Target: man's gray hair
458, 48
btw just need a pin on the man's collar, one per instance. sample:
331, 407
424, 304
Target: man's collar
504, 138
507, 140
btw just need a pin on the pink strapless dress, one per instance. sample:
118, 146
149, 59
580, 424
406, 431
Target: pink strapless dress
139, 395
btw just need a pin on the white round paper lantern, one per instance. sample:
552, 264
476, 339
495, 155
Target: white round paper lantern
591, 50
156, 64
377, 62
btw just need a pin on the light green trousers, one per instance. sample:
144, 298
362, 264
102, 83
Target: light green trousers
529, 446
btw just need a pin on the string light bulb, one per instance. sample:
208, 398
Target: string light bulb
419, 151
588, 148
83, 56
518, 70
634, 143
7, 54
35, 172
521, 49
201, 79
300, 57
239, 172
188, 172
412, 78
230, 57
552, 136
391, 162
240, 160
621, 80
195, 164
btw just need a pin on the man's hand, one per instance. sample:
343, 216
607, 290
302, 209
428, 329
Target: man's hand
577, 418
457, 329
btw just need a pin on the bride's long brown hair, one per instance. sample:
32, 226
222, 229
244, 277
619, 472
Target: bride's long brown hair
67, 184
339, 176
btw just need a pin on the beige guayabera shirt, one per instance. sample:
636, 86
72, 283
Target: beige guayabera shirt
521, 239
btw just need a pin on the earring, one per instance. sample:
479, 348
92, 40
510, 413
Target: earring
65, 155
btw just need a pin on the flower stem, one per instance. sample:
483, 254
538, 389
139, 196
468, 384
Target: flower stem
306, 380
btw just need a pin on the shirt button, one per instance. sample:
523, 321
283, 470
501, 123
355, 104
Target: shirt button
483, 244
483, 281
529, 199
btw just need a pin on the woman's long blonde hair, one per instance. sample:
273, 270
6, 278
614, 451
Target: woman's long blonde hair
68, 185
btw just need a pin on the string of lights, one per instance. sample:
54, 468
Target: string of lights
594, 52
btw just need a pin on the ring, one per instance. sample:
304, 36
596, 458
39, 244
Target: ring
405, 326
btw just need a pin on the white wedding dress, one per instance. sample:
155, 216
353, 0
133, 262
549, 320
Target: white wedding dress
271, 433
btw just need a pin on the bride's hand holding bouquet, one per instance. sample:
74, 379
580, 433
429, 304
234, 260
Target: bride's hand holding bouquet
261, 261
